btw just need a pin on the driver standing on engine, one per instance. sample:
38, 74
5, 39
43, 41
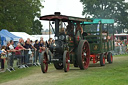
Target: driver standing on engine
79, 27
70, 29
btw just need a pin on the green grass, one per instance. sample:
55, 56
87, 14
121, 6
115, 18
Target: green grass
121, 55
111, 74
18, 74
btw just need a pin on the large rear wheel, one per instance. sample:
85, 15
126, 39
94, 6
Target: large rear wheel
102, 59
110, 57
66, 61
83, 54
44, 62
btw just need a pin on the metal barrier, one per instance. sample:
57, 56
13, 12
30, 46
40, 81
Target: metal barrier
120, 50
27, 57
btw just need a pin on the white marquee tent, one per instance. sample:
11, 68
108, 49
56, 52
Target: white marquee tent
24, 35
45, 37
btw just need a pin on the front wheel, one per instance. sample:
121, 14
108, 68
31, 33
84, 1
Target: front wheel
66, 61
44, 62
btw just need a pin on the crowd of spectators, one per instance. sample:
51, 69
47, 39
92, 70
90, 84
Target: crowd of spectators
25, 53
121, 47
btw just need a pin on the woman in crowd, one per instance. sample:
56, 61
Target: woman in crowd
41, 48
21, 41
36, 45
49, 42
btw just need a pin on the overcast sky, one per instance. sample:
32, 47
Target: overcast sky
66, 7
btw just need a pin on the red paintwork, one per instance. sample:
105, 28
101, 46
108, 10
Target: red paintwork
45, 63
51, 17
94, 58
78, 38
103, 60
111, 58
71, 41
86, 59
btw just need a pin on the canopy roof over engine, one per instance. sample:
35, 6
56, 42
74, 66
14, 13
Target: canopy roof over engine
103, 21
64, 18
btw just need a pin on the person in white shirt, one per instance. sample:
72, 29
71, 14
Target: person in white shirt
12, 50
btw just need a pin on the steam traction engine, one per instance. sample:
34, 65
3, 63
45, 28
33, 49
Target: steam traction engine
69, 46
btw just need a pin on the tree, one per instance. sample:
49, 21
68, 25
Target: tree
38, 26
113, 9
20, 15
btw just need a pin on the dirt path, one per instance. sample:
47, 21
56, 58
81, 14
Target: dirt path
52, 75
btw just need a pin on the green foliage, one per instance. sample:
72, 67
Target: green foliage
113, 9
20, 15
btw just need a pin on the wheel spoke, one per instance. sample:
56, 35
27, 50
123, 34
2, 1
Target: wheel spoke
44, 62
84, 60
66, 60
85, 63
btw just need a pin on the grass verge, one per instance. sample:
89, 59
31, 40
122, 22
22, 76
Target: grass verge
111, 74
18, 74
125, 55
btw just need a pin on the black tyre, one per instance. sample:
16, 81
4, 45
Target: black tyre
83, 54
58, 66
110, 58
49, 55
75, 64
66, 61
44, 62
102, 59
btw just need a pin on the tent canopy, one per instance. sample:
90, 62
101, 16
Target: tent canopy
45, 37
24, 35
5, 33
5, 37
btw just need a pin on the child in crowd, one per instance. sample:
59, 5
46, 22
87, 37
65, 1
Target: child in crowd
3, 57
36, 45
4, 51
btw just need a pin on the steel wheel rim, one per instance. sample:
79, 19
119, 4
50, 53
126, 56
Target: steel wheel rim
45, 61
67, 61
85, 58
